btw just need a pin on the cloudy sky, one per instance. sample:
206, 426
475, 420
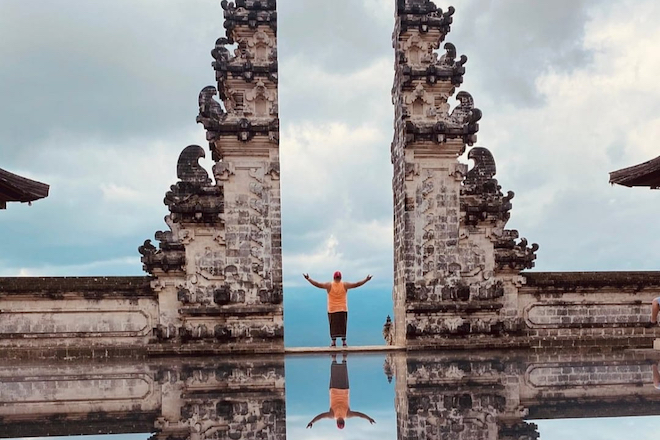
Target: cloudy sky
99, 98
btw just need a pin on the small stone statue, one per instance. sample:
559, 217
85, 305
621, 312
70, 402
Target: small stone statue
388, 333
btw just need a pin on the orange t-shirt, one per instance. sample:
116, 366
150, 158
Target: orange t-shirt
339, 403
337, 298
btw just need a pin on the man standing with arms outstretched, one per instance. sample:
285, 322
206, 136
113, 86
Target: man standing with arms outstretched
337, 304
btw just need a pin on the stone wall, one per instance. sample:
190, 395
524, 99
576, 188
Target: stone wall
496, 396
193, 399
588, 308
66, 317
449, 395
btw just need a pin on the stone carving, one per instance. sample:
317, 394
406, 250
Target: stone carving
424, 63
420, 104
262, 47
170, 257
188, 168
211, 264
482, 198
424, 15
388, 333
250, 13
193, 199
164, 332
229, 232
211, 113
255, 57
247, 79
510, 255
518, 431
260, 102
453, 257
461, 124
417, 52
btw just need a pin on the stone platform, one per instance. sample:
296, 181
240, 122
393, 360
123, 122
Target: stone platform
356, 349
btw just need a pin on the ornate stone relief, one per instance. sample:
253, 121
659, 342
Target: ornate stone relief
418, 51
453, 258
419, 104
191, 200
260, 102
262, 48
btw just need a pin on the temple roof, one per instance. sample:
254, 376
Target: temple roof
14, 188
644, 174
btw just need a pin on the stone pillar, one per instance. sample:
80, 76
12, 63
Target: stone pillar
455, 267
235, 400
219, 269
453, 399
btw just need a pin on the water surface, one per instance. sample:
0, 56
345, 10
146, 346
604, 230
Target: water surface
442, 395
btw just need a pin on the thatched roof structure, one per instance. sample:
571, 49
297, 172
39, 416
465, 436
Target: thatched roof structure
644, 174
14, 188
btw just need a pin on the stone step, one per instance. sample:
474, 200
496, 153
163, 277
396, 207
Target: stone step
349, 349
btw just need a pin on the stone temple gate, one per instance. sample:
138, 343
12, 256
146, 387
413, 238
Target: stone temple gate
215, 281
218, 270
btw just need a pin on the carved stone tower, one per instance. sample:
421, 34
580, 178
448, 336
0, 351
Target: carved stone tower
455, 266
219, 270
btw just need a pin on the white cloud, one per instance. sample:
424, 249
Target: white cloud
366, 248
382, 10
595, 119
319, 160
98, 268
359, 96
108, 184
383, 429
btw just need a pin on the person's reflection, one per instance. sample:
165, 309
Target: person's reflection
340, 409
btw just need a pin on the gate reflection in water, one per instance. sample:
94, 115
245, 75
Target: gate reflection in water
453, 396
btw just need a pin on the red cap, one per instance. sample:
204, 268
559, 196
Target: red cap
337, 275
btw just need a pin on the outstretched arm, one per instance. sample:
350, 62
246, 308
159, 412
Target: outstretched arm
358, 284
360, 415
316, 283
325, 415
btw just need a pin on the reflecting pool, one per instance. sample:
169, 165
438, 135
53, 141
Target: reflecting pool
515, 395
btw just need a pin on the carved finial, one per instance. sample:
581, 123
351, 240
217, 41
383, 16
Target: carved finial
450, 55
465, 99
147, 248
484, 166
220, 52
188, 168
209, 107
463, 111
